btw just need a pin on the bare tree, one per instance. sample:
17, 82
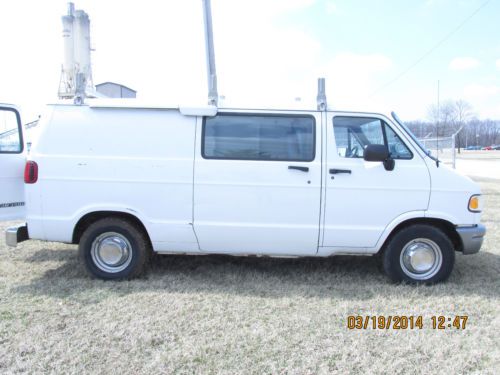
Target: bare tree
490, 133
442, 117
463, 114
450, 118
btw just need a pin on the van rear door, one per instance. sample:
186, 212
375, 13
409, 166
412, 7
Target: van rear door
12, 161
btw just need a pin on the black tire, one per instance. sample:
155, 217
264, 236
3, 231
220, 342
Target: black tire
394, 265
137, 257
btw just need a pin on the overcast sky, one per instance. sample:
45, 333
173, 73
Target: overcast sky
268, 52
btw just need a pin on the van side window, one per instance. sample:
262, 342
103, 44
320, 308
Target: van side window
353, 134
10, 134
259, 137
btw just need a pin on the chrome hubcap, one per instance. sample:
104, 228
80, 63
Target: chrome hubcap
421, 259
111, 252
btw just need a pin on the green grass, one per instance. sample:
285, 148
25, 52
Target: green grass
217, 314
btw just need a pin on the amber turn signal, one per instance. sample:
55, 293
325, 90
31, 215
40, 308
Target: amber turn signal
474, 203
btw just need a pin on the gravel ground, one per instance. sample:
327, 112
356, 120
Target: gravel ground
217, 314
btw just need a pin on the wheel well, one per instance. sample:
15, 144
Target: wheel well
92, 217
447, 227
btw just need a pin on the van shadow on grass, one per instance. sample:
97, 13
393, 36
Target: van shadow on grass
342, 277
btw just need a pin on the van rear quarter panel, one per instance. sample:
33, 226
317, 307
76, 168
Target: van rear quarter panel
138, 161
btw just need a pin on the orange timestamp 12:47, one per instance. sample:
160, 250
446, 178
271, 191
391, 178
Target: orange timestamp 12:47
405, 322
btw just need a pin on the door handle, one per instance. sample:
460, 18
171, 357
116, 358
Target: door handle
303, 169
336, 171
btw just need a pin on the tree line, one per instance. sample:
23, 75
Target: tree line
457, 117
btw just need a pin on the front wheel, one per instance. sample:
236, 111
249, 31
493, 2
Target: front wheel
420, 254
114, 248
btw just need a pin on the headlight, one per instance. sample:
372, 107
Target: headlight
475, 203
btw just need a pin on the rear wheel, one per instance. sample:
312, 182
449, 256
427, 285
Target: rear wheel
419, 254
114, 248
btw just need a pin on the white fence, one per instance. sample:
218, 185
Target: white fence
443, 148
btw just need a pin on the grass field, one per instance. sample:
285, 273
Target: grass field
217, 314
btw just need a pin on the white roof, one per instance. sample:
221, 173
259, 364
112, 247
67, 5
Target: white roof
186, 110
191, 110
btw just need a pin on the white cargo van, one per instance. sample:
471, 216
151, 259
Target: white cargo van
124, 181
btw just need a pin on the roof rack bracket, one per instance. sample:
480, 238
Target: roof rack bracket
321, 97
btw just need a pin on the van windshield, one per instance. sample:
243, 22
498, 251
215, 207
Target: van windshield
415, 139
409, 132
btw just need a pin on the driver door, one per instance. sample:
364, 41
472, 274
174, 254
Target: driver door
12, 161
363, 197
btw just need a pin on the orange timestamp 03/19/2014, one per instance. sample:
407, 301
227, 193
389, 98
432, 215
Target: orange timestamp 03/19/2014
406, 322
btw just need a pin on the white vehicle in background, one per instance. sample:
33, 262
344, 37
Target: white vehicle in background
124, 181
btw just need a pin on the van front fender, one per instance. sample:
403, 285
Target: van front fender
445, 222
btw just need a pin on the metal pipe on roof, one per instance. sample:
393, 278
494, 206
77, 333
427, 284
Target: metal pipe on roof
213, 96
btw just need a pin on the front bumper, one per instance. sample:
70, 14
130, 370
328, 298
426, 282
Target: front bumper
14, 235
472, 238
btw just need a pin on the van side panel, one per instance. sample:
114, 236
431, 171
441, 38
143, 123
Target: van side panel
138, 161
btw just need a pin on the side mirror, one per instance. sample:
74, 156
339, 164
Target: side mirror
379, 153
376, 153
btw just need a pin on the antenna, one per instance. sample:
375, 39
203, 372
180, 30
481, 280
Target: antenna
213, 96
321, 97
437, 124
